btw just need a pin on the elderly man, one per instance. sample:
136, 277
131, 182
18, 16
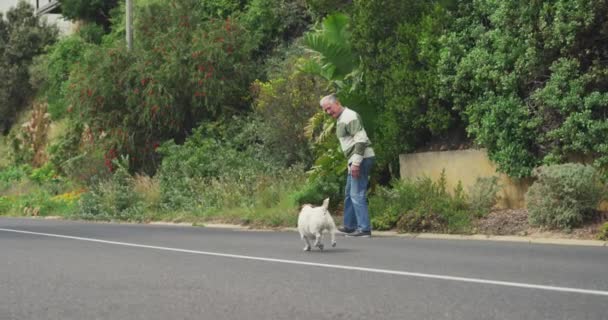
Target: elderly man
356, 147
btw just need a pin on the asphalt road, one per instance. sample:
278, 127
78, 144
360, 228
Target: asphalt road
53, 269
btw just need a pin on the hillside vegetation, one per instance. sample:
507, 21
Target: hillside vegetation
214, 114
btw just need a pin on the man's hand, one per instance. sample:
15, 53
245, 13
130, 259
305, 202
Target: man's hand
354, 171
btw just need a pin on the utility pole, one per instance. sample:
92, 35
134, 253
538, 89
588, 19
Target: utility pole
129, 24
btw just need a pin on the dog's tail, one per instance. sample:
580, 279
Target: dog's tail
325, 205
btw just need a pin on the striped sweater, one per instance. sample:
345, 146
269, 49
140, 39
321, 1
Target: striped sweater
353, 139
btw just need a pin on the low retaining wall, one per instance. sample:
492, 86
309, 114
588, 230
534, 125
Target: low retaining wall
465, 166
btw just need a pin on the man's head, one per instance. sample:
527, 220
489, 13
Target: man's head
331, 105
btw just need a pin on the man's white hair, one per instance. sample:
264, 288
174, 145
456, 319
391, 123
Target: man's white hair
332, 98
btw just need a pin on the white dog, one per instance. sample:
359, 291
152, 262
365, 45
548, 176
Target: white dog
312, 221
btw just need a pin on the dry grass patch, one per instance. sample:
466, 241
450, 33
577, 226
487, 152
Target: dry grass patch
148, 188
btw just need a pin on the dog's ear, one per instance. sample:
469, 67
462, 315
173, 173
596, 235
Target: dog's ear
326, 203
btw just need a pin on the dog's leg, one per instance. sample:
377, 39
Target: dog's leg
332, 233
307, 246
318, 239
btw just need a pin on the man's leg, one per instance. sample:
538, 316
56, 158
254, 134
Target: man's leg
350, 219
358, 198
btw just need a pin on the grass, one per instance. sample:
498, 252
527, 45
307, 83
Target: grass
57, 129
37, 203
4, 152
269, 203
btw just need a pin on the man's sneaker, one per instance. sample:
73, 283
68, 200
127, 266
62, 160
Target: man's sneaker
360, 234
346, 230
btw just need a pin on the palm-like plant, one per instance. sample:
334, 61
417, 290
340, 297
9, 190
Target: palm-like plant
333, 58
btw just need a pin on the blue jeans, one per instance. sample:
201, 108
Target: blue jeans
356, 214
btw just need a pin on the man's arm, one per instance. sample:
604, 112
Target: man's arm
356, 130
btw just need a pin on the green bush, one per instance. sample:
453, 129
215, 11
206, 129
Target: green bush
23, 35
398, 44
88, 167
91, 33
44, 174
284, 104
314, 192
14, 173
275, 22
564, 196
436, 210
5, 205
388, 204
321, 8
50, 72
114, 198
529, 79
217, 153
483, 196
184, 68
13, 177
603, 232
422, 205
88, 10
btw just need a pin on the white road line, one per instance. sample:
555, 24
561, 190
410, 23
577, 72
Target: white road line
332, 266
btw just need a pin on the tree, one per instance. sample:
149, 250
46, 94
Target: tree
23, 35
398, 42
185, 68
530, 78
97, 11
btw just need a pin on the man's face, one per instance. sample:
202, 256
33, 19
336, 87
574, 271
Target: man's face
332, 109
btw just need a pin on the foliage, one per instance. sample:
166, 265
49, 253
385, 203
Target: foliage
184, 69
274, 23
422, 205
30, 139
316, 190
36, 203
12, 174
398, 44
322, 8
223, 171
564, 196
483, 196
4, 152
267, 201
53, 69
74, 155
221, 8
97, 11
5, 205
23, 35
332, 59
91, 33
284, 104
335, 60
328, 173
43, 174
148, 189
32, 191
530, 79
113, 199
389, 203
603, 232
215, 153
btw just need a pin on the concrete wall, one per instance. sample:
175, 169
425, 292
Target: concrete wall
464, 166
